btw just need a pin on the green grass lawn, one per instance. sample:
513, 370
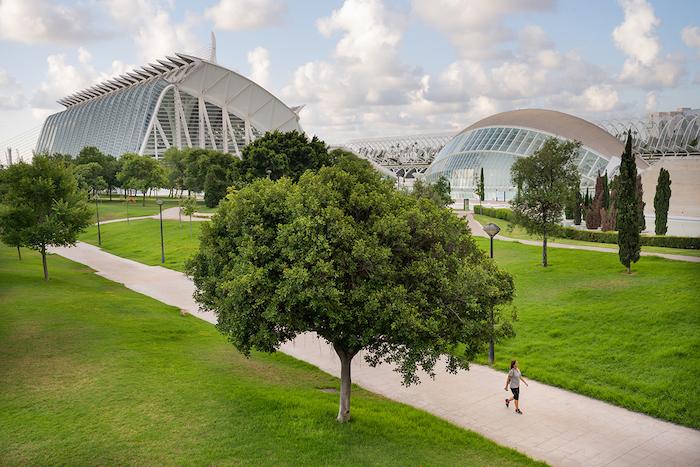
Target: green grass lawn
519, 232
586, 325
117, 208
92, 373
140, 240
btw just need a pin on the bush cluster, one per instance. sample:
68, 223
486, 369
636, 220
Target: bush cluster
596, 235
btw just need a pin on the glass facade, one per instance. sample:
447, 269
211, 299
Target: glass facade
495, 149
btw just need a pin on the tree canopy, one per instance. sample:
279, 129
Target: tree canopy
628, 221
142, 173
343, 254
662, 199
547, 177
41, 205
438, 192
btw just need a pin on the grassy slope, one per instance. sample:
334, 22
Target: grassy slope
585, 325
127, 380
140, 240
519, 232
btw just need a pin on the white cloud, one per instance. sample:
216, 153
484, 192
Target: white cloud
259, 61
636, 37
691, 37
64, 78
241, 15
476, 28
42, 21
650, 101
155, 32
11, 94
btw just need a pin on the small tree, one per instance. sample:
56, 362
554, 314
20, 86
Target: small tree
438, 192
187, 207
593, 218
174, 161
142, 173
90, 177
608, 217
628, 226
662, 200
42, 205
577, 207
364, 266
546, 178
480, 186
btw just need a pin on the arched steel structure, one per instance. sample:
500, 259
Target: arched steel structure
404, 156
182, 101
678, 135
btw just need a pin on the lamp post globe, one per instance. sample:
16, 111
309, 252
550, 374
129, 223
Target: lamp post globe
491, 230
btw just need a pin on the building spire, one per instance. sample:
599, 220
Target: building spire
212, 57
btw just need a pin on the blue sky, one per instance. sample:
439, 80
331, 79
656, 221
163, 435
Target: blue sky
370, 67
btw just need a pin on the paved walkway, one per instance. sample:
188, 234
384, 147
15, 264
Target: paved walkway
559, 427
477, 230
168, 214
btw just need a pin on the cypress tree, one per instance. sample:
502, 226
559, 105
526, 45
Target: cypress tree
482, 187
606, 192
587, 200
640, 204
628, 238
661, 201
577, 208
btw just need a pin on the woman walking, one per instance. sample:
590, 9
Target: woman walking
514, 378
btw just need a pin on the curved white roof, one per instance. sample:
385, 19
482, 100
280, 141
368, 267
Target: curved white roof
556, 123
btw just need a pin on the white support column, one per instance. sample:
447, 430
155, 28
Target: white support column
248, 133
200, 105
182, 117
224, 127
233, 137
177, 105
159, 127
209, 129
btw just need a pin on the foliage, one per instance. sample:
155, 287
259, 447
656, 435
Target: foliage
593, 216
546, 177
608, 217
661, 201
343, 254
174, 160
42, 205
283, 154
577, 207
605, 202
141, 173
109, 165
480, 186
90, 177
628, 224
210, 171
94, 373
640, 204
596, 236
438, 192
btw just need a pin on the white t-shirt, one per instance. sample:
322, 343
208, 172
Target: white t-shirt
514, 375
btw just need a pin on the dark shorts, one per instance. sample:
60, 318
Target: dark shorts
516, 393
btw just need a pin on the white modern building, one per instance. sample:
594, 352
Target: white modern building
181, 101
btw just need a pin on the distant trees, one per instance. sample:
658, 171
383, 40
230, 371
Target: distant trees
109, 166
662, 199
628, 201
578, 201
546, 178
593, 213
90, 177
438, 192
141, 173
41, 205
345, 255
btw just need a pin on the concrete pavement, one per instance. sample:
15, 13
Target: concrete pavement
558, 426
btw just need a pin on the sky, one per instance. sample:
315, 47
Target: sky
366, 68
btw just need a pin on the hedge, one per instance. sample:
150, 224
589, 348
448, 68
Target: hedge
596, 235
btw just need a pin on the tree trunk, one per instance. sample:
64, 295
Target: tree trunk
544, 248
143, 203
110, 193
19, 253
629, 269
345, 384
43, 262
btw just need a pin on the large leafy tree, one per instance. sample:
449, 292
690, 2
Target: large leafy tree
210, 171
42, 205
90, 177
174, 160
662, 199
109, 166
438, 192
142, 173
628, 223
283, 154
547, 177
364, 266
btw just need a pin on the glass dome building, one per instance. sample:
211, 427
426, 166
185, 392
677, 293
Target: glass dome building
495, 142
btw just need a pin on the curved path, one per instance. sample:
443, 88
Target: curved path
168, 214
477, 230
558, 427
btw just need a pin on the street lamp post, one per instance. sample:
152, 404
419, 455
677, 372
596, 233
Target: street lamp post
268, 172
162, 244
492, 230
97, 213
